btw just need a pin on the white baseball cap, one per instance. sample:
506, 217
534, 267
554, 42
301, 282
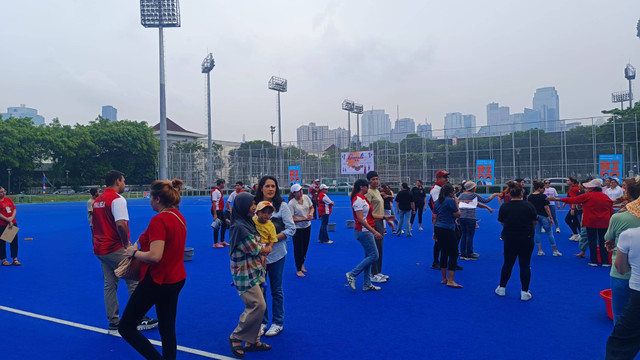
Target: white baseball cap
296, 187
323, 186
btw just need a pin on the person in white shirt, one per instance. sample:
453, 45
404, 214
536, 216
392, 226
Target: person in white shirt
552, 192
624, 341
613, 191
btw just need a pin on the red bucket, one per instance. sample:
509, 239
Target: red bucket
606, 295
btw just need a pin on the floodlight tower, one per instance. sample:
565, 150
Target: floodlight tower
348, 105
207, 65
160, 14
279, 85
630, 74
273, 130
358, 109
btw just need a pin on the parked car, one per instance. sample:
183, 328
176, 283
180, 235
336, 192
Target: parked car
65, 192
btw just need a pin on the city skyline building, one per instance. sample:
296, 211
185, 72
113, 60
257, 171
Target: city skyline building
547, 103
109, 112
22, 111
316, 139
402, 128
425, 130
375, 125
498, 119
459, 125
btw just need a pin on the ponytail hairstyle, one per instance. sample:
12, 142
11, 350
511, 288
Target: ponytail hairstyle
356, 187
167, 192
537, 185
515, 189
447, 189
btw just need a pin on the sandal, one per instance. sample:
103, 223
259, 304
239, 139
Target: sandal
256, 347
235, 349
5, 262
16, 262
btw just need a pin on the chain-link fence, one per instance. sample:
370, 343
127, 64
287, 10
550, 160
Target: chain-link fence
531, 153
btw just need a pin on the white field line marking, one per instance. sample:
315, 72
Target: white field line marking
107, 332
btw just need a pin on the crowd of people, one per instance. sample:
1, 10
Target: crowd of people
261, 223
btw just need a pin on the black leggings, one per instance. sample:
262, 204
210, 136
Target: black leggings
301, 245
419, 210
222, 229
165, 298
13, 246
518, 246
448, 244
596, 238
573, 222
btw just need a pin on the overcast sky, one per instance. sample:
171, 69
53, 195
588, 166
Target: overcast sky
68, 58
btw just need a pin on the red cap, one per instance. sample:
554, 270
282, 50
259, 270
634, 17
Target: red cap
442, 173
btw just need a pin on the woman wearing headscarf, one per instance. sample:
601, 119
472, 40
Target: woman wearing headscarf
627, 218
268, 190
247, 272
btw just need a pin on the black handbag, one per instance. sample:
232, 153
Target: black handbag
278, 223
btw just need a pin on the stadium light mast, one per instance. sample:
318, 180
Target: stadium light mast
279, 85
348, 105
207, 65
160, 14
630, 74
358, 109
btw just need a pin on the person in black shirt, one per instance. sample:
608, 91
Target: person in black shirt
419, 199
545, 221
406, 206
518, 219
525, 195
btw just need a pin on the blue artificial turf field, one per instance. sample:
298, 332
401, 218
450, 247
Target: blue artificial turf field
414, 316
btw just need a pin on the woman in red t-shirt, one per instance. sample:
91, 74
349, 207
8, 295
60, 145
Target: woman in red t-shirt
8, 220
161, 250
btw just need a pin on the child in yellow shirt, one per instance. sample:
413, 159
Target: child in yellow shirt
265, 228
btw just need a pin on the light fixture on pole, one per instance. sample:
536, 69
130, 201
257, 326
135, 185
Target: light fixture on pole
358, 109
160, 14
279, 85
273, 130
347, 105
207, 65
9, 181
630, 74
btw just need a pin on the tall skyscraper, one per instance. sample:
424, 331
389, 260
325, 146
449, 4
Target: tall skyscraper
374, 125
425, 131
404, 127
498, 119
547, 102
312, 138
109, 112
24, 112
458, 125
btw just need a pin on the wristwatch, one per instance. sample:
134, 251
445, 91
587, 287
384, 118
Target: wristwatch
133, 254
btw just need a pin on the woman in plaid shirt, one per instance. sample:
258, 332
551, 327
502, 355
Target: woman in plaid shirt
248, 274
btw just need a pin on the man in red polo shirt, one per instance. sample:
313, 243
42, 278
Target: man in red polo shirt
110, 239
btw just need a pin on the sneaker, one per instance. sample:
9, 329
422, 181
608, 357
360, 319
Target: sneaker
578, 238
378, 279
401, 231
558, 230
420, 228
218, 245
273, 330
464, 257
435, 265
525, 295
475, 256
409, 235
386, 277
543, 230
371, 287
540, 253
352, 281
500, 291
147, 324
573, 237
606, 265
263, 329
326, 242
113, 327
593, 264
557, 253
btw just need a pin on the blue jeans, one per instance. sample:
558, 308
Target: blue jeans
403, 218
468, 228
274, 272
323, 235
620, 294
554, 216
543, 222
368, 243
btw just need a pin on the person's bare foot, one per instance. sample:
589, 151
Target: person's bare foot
303, 269
581, 254
444, 281
300, 274
453, 284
